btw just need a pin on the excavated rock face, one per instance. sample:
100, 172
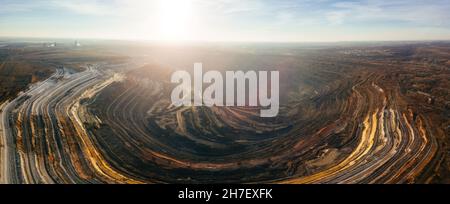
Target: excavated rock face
347, 115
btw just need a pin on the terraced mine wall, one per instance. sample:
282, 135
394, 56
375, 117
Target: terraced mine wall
361, 115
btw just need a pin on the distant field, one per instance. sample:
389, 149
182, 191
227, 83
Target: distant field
23, 64
16, 73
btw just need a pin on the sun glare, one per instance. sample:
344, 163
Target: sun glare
175, 19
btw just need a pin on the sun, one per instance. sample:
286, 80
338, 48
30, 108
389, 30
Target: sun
175, 19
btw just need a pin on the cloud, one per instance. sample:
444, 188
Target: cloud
416, 12
16, 6
234, 18
336, 17
84, 7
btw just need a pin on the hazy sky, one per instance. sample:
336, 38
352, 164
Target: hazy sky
228, 20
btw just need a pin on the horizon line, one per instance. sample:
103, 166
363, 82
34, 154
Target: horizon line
216, 41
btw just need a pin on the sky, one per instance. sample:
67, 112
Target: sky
228, 20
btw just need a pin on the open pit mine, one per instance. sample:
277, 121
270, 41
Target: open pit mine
365, 113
